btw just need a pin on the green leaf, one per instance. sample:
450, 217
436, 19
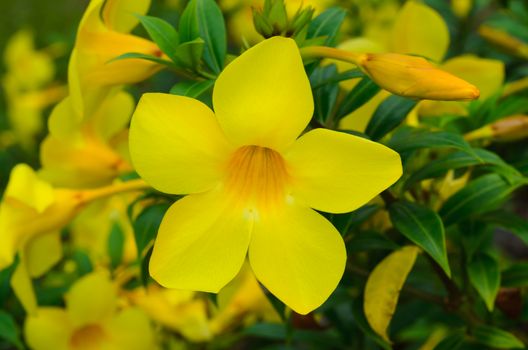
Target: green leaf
274, 331
389, 114
409, 139
479, 196
189, 54
456, 160
142, 56
162, 33
116, 241
452, 342
147, 224
370, 240
509, 221
326, 96
423, 227
9, 330
484, 274
357, 97
204, 19
327, 25
496, 338
361, 322
515, 276
349, 221
193, 89
337, 77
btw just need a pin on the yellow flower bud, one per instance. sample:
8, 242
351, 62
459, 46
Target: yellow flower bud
504, 40
415, 77
511, 128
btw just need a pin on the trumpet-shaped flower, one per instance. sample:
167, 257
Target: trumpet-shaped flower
103, 35
250, 183
32, 213
92, 153
90, 321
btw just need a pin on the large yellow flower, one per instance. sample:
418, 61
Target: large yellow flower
91, 321
250, 184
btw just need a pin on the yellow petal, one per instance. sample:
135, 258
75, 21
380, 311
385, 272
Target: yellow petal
26, 187
42, 253
49, 329
359, 119
263, 97
420, 30
201, 244
337, 172
92, 299
23, 288
130, 329
119, 15
486, 74
298, 256
176, 144
383, 288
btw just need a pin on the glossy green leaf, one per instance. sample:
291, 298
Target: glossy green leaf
146, 226
478, 196
496, 338
349, 221
142, 56
327, 25
116, 241
162, 33
357, 97
337, 77
192, 89
453, 341
389, 114
326, 96
409, 139
9, 331
370, 240
509, 221
203, 19
456, 160
189, 54
423, 227
484, 274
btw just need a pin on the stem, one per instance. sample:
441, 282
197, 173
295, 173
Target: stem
315, 52
107, 191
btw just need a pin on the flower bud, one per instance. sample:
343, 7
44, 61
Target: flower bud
415, 77
273, 19
511, 128
504, 40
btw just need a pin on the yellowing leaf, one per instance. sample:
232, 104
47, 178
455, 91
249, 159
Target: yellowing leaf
383, 288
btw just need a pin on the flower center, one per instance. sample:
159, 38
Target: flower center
257, 178
89, 337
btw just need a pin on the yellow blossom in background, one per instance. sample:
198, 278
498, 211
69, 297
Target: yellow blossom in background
32, 214
250, 184
90, 154
28, 87
242, 301
182, 311
103, 35
91, 320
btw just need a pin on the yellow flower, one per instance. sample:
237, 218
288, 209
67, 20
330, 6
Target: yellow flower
250, 184
103, 35
242, 301
90, 321
32, 213
92, 153
27, 87
415, 77
181, 311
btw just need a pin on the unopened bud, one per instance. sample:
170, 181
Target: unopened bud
415, 77
511, 128
504, 40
